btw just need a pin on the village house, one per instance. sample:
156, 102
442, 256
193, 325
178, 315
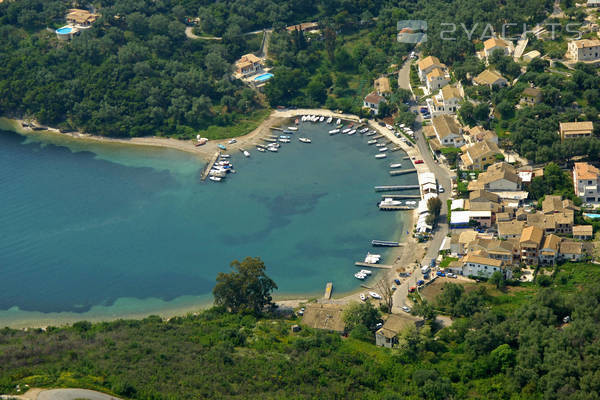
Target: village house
510, 230
247, 65
448, 131
304, 27
428, 64
329, 317
387, 335
531, 55
479, 156
460, 240
576, 130
530, 244
593, 3
531, 96
586, 182
447, 101
437, 79
81, 18
382, 86
478, 263
583, 232
555, 204
504, 250
481, 195
499, 177
550, 249
372, 102
571, 251
584, 50
559, 223
490, 78
495, 44
479, 134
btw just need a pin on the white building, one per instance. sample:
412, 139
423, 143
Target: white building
428, 64
493, 44
447, 101
475, 264
448, 131
586, 182
437, 79
584, 50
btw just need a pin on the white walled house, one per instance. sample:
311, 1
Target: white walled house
584, 50
586, 182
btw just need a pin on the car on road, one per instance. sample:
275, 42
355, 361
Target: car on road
418, 161
420, 282
397, 281
440, 273
378, 325
232, 141
389, 126
451, 275
406, 309
441, 189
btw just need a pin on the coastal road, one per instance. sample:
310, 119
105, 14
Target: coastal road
73, 394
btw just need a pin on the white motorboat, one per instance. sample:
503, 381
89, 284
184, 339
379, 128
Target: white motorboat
352, 132
292, 128
366, 271
304, 140
262, 150
370, 133
329, 120
372, 258
381, 155
346, 130
402, 125
334, 131
321, 119
374, 295
360, 276
284, 140
389, 202
363, 297
372, 141
215, 178
380, 144
217, 172
364, 130
339, 121
246, 153
382, 149
284, 137
397, 165
225, 156
232, 141
273, 149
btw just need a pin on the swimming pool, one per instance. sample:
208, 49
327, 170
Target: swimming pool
263, 77
592, 216
64, 30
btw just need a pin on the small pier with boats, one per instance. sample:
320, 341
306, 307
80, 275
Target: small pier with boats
209, 166
328, 290
395, 188
395, 172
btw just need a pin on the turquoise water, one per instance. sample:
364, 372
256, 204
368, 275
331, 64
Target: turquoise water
64, 30
592, 216
263, 77
110, 230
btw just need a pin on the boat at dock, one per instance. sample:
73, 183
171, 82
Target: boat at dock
246, 153
382, 149
364, 130
304, 140
366, 271
334, 131
288, 132
339, 121
273, 149
329, 120
380, 144
389, 202
261, 149
284, 137
373, 141
221, 146
360, 276
215, 178
352, 132
285, 140
321, 119
381, 155
370, 134
292, 128
397, 165
372, 258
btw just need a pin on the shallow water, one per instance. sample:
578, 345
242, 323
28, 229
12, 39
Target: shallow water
95, 230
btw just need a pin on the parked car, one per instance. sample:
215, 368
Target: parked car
406, 309
440, 273
441, 189
394, 287
232, 141
381, 123
451, 275
389, 126
420, 282
412, 289
419, 162
423, 109
397, 281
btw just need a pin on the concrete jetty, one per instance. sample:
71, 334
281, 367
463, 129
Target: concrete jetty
364, 264
395, 188
328, 289
400, 196
390, 207
209, 166
395, 172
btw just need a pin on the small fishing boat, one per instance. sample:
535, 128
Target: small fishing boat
334, 131
201, 141
380, 144
246, 153
283, 137
304, 140
288, 132
292, 128
366, 271
273, 149
374, 295
372, 141
397, 165
372, 258
285, 140
352, 132
382, 149
225, 156
364, 130
370, 133
339, 121
363, 297
346, 130
360, 276
261, 149
215, 178
329, 120
389, 202
381, 155
321, 119
221, 146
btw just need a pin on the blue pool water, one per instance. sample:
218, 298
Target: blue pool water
95, 231
264, 77
592, 216
64, 30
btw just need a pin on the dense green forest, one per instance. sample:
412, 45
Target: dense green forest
505, 342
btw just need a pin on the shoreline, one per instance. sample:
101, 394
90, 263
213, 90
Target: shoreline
275, 119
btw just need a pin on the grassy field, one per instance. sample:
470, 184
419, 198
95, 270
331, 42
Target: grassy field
242, 127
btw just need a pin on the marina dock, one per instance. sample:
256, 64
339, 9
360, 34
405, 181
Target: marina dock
328, 289
395, 188
395, 149
364, 264
395, 208
209, 166
395, 172
277, 129
384, 243
400, 196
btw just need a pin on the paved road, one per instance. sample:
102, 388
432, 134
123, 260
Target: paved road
73, 394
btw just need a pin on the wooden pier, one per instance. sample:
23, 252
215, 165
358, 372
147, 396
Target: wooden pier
328, 289
209, 166
395, 172
395, 188
364, 264
395, 208
400, 196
